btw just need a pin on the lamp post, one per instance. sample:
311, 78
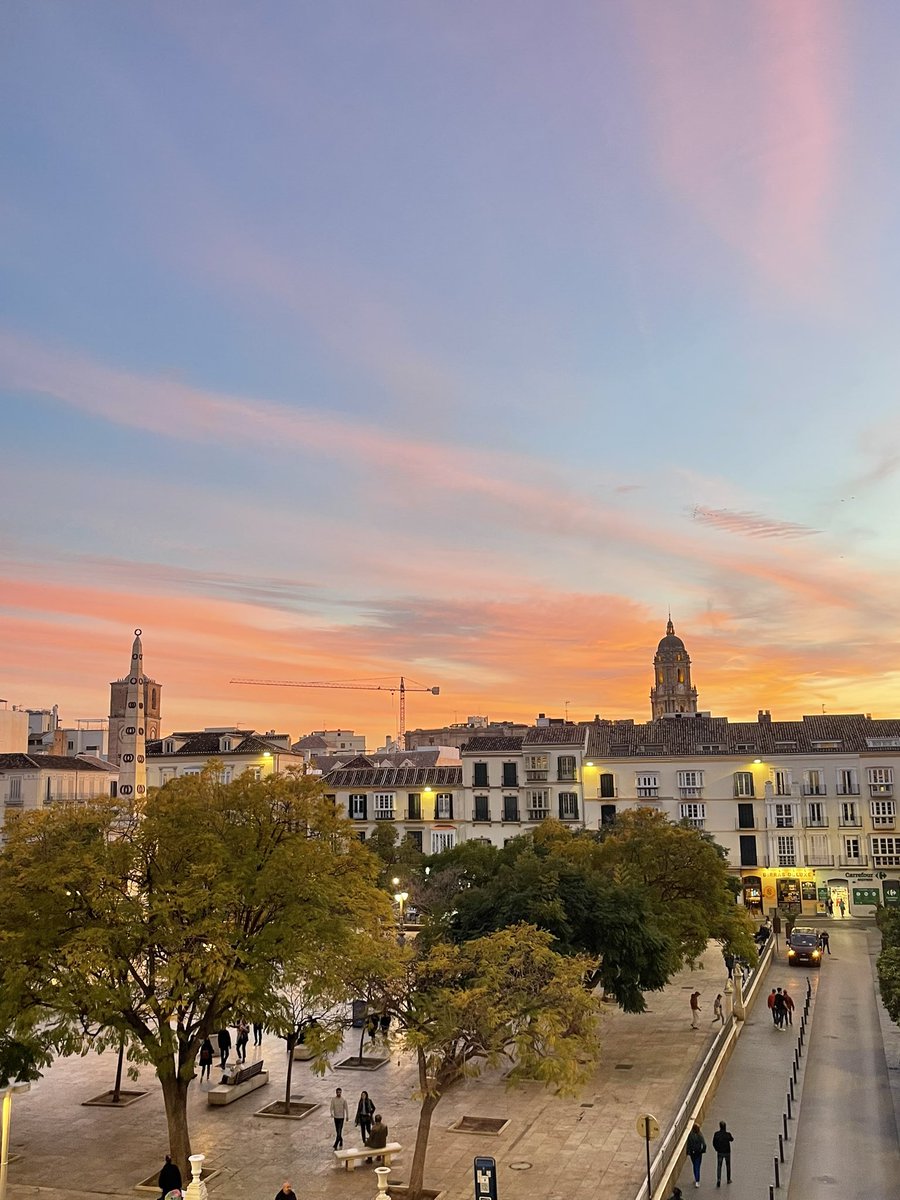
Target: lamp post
401, 898
8, 1092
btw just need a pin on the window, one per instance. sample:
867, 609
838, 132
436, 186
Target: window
510, 774
537, 803
852, 850
482, 809
480, 775
690, 783
442, 839
748, 850
743, 783
782, 782
847, 782
848, 814
443, 806
413, 806
694, 814
414, 837
881, 781
568, 806
883, 813
815, 814
745, 748
510, 808
786, 851
15, 791
783, 815
252, 772
647, 785
814, 783
383, 804
819, 852
607, 786
536, 766
358, 807
607, 814
565, 767
746, 817
886, 851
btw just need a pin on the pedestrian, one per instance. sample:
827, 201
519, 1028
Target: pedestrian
340, 1112
372, 1026
378, 1137
677, 1194
286, 1192
696, 1148
826, 940
829, 906
842, 906
718, 1011
224, 1040
788, 1008
257, 1033
206, 1057
729, 963
722, 1140
780, 1009
695, 1010
169, 1177
385, 1022
243, 1037
771, 1003
365, 1110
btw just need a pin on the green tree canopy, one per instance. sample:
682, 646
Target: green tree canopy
162, 926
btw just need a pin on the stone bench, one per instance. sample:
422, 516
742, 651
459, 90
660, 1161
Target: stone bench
354, 1156
238, 1083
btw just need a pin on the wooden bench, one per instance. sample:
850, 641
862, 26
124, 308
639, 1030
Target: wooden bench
238, 1083
386, 1153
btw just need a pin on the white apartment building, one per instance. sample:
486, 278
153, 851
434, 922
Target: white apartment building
32, 782
238, 750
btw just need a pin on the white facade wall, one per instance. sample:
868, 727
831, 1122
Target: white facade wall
13, 730
29, 788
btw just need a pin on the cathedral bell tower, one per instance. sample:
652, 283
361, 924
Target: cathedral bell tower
130, 724
672, 691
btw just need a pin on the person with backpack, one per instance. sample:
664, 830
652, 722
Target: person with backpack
695, 1149
722, 1140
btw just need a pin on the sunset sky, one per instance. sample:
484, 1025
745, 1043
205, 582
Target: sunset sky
459, 341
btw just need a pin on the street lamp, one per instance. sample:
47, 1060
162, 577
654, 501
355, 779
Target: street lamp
8, 1092
401, 898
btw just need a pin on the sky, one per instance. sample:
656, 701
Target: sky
459, 342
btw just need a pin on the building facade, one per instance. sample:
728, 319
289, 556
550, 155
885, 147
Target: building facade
32, 782
238, 750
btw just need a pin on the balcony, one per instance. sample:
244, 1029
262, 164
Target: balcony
744, 828
883, 822
782, 823
694, 822
847, 791
814, 789
385, 814
860, 860
647, 793
881, 789
818, 823
538, 814
536, 776
850, 822
691, 793
886, 860
819, 860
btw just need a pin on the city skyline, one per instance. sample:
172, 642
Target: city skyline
460, 345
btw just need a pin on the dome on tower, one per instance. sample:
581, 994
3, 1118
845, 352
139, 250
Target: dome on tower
671, 643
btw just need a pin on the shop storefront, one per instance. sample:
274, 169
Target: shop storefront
804, 891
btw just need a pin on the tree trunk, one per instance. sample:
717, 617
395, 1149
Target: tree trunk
417, 1171
117, 1089
291, 1043
175, 1091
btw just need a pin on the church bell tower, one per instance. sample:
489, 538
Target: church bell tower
672, 691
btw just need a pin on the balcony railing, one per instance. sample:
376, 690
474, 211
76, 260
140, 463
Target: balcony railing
647, 793
538, 814
848, 790
536, 776
860, 860
814, 789
384, 814
819, 860
818, 823
691, 793
850, 822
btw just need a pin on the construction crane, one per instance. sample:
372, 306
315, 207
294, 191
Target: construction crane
402, 688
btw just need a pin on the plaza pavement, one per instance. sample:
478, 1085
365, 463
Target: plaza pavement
574, 1148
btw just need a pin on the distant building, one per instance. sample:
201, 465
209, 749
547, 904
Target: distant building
458, 734
13, 729
32, 782
330, 741
238, 750
672, 692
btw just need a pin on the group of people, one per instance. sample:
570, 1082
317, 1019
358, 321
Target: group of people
223, 1037
372, 1129
376, 1022
696, 1148
718, 1010
781, 1006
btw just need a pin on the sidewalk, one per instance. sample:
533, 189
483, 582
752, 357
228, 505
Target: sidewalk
559, 1149
753, 1094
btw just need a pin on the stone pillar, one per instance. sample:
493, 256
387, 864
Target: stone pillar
382, 1173
196, 1189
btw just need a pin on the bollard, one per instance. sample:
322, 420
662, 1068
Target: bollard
791, 1082
790, 1116
799, 1048
781, 1147
793, 1075
777, 1175
784, 1124
771, 1192
802, 1030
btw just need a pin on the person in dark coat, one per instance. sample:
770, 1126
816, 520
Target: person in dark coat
169, 1177
224, 1046
365, 1110
696, 1148
825, 940
722, 1140
243, 1037
206, 1057
257, 1033
286, 1192
378, 1137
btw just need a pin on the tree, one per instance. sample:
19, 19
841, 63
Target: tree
888, 964
162, 926
507, 997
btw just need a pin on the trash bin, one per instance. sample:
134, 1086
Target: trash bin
359, 1013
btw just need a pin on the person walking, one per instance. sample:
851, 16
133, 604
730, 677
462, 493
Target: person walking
695, 1010
286, 1192
365, 1110
722, 1140
384, 1022
224, 1040
257, 1033
842, 906
729, 963
826, 941
771, 1003
696, 1148
243, 1037
169, 1178
779, 1009
718, 1010
829, 906
339, 1112
788, 1008
206, 1058
378, 1137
